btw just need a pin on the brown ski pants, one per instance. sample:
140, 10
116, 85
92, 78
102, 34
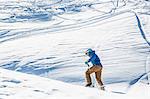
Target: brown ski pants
97, 70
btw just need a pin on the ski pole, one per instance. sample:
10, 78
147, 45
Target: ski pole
88, 66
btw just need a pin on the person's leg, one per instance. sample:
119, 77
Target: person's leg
88, 77
98, 77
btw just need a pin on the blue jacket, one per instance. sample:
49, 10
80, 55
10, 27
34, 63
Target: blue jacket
94, 59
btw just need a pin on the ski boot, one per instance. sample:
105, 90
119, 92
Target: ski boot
88, 85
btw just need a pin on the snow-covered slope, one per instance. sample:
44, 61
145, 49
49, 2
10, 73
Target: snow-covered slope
48, 38
22, 86
15, 85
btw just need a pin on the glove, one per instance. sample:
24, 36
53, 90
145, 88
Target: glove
86, 63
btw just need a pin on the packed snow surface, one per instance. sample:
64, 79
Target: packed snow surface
14, 85
48, 38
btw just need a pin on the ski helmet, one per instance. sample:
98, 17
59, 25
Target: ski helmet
89, 51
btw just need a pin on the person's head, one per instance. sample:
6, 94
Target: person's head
89, 52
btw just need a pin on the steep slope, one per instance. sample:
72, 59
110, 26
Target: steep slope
49, 38
14, 85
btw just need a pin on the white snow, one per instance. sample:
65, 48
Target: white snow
48, 38
15, 85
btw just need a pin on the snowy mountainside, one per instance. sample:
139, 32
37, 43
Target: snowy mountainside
48, 38
15, 85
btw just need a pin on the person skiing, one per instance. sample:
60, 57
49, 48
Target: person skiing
96, 68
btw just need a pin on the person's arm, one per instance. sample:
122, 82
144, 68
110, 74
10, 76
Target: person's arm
92, 58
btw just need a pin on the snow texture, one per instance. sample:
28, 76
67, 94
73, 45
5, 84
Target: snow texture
48, 38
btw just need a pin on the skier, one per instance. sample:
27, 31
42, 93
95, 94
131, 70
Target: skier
96, 68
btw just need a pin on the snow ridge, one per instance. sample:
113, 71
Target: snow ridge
142, 29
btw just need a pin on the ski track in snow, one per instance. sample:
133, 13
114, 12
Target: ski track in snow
60, 21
